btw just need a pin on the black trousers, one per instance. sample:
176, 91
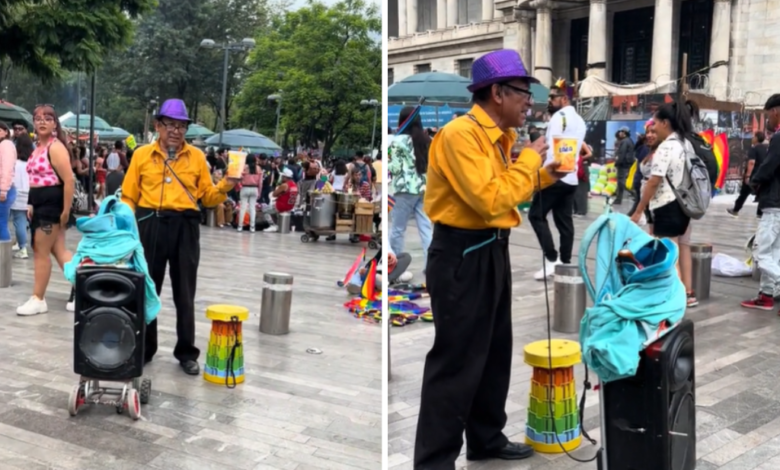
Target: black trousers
581, 197
622, 176
558, 198
172, 239
467, 372
744, 192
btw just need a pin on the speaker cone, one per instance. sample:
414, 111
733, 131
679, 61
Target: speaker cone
108, 338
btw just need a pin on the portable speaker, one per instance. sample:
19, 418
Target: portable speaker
109, 323
650, 419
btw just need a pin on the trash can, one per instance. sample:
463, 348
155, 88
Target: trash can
284, 222
6, 263
701, 270
569, 297
276, 303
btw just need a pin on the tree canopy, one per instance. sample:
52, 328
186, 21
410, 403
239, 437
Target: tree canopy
48, 37
323, 61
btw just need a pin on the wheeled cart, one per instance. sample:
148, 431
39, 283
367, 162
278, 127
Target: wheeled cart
339, 213
123, 395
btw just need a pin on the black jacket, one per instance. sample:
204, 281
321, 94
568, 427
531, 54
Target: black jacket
766, 178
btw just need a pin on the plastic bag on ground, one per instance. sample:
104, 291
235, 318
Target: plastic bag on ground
728, 266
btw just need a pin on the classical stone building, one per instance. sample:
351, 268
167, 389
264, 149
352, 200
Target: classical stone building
732, 42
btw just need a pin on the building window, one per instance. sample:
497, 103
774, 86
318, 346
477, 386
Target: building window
422, 68
426, 15
464, 67
469, 11
392, 18
390, 78
632, 45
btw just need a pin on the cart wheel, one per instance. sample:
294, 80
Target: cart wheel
75, 400
133, 404
146, 390
372, 245
305, 238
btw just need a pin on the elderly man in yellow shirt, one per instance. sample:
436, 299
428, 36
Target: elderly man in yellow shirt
472, 196
163, 184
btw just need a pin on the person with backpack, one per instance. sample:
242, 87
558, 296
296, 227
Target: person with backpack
766, 184
671, 189
624, 159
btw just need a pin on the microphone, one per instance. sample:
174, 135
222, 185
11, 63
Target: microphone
171, 153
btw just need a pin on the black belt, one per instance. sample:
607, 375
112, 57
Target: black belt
249, 186
144, 212
499, 233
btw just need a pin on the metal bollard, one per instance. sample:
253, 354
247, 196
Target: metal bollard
570, 299
211, 218
276, 303
284, 222
701, 269
6, 263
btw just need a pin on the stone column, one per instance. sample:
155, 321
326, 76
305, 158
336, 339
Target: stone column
402, 31
411, 16
661, 68
597, 40
524, 36
487, 10
441, 14
543, 50
452, 13
719, 49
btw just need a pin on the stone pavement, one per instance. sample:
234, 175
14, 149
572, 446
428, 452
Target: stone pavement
295, 411
738, 399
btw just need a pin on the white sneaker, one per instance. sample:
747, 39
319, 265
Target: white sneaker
251, 230
15, 247
406, 276
71, 305
549, 267
34, 306
240, 229
272, 228
21, 254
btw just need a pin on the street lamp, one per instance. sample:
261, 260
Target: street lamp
374, 104
244, 45
278, 98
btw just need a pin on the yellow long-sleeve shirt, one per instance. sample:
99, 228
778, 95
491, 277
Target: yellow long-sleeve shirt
469, 185
149, 183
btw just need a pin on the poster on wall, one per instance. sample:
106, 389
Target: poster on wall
627, 108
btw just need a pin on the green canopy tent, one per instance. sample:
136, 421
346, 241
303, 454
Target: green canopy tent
10, 113
100, 125
196, 131
441, 88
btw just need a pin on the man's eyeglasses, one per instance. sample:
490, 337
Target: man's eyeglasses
520, 91
175, 126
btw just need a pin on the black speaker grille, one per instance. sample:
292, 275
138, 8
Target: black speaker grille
108, 339
682, 424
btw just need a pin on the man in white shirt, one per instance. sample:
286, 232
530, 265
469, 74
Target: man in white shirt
558, 198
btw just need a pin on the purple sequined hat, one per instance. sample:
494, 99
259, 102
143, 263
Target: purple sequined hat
173, 109
498, 66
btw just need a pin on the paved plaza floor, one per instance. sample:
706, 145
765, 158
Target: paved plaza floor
737, 361
295, 411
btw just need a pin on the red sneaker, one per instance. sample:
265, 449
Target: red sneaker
762, 302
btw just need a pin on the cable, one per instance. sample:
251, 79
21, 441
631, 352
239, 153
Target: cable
586, 381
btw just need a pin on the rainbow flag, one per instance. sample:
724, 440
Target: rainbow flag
720, 148
390, 203
369, 284
355, 266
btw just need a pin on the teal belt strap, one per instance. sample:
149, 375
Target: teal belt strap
479, 245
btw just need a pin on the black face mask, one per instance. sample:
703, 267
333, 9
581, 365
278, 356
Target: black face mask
552, 109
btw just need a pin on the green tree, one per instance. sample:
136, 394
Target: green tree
324, 60
48, 37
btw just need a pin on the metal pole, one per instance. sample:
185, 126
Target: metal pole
701, 269
373, 131
78, 109
278, 116
570, 299
92, 143
224, 95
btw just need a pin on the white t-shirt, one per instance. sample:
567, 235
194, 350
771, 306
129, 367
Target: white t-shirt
668, 160
566, 123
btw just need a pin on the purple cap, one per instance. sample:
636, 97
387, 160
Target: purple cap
498, 66
173, 109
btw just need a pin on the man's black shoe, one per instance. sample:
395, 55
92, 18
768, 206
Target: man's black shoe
190, 367
511, 451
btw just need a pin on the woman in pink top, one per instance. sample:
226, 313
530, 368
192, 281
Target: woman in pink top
250, 190
49, 205
7, 190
